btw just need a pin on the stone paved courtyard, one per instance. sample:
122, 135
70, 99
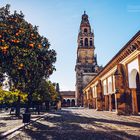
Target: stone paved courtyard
82, 124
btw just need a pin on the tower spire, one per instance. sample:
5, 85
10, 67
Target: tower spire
86, 65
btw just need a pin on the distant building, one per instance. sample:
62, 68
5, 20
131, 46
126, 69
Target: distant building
68, 98
86, 65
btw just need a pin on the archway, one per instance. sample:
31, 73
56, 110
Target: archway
132, 78
113, 101
73, 103
81, 42
86, 42
64, 103
68, 103
91, 43
138, 90
134, 83
85, 30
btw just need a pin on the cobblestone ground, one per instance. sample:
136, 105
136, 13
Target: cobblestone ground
8, 121
82, 124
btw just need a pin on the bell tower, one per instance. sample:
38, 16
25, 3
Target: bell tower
86, 64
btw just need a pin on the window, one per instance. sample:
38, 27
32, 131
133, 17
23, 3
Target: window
81, 42
85, 30
86, 42
91, 43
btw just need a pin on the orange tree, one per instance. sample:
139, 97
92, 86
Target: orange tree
25, 55
46, 93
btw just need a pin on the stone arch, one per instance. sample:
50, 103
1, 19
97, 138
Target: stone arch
72, 102
68, 102
138, 90
134, 83
85, 30
63, 103
132, 78
86, 41
81, 42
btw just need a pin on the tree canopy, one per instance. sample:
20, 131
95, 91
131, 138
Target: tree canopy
45, 92
25, 55
10, 97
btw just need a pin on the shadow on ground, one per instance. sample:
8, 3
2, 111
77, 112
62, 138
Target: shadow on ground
68, 126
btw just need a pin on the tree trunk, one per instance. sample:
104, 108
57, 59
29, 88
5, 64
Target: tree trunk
18, 107
38, 109
29, 102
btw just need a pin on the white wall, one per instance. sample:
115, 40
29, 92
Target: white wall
94, 91
104, 87
133, 68
109, 84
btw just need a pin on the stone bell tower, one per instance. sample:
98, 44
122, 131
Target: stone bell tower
86, 65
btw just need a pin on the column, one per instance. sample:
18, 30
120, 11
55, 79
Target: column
116, 103
134, 101
106, 103
99, 96
120, 90
139, 62
110, 102
85, 99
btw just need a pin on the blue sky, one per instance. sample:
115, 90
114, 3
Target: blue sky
114, 22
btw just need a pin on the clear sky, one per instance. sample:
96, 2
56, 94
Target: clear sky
114, 22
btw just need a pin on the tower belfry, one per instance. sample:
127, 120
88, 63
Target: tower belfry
86, 65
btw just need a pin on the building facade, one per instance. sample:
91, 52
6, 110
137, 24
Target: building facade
117, 85
68, 98
86, 65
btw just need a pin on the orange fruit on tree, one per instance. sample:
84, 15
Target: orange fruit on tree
31, 45
39, 46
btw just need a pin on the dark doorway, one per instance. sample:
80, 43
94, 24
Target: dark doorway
68, 103
73, 103
113, 101
64, 103
138, 90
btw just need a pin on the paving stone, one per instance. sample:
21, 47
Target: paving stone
82, 124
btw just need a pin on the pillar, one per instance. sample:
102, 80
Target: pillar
106, 103
110, 102
99, 96
85, 100
139, 62
94, 103
120, 90
134, 101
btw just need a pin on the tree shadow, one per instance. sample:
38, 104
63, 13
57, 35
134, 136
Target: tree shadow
2, 124
74, 132
11, 117
68, 126
92, 120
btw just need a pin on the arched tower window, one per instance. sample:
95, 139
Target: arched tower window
91, 43
81, 42
85, 30
86, 42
